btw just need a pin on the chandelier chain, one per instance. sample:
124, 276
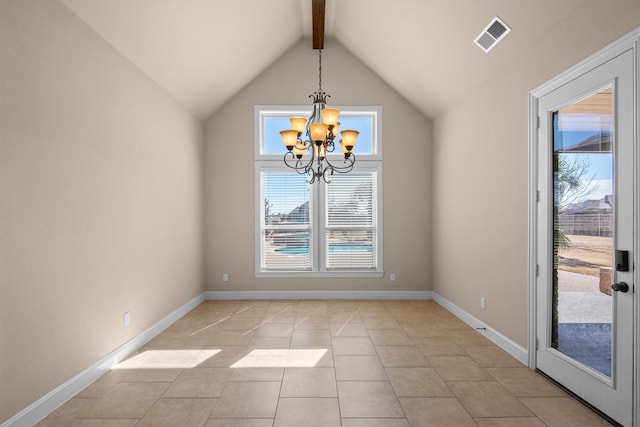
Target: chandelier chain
320, 71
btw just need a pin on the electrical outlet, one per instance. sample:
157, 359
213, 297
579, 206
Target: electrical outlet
392, 277
225, 277
483, 303
127, 318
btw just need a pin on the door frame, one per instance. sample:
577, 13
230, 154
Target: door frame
630, 41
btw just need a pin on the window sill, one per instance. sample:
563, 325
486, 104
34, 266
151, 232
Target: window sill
312, 274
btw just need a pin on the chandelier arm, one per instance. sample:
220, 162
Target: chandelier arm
312, 176
299, 165
329, 169
348, 167
290, 157
308, 167
330, 146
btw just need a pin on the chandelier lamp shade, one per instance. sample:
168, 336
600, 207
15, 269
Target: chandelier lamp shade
310, 140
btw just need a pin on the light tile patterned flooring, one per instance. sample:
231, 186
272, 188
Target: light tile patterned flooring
321, 363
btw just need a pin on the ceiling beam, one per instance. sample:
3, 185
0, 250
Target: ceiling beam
317, 13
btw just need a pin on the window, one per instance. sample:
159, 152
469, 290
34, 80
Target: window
318, 229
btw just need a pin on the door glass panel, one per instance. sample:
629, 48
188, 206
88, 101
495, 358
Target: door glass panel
583, 219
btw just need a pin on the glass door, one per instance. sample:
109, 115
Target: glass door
584, 326
583, 225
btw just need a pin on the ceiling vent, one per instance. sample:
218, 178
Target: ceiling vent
492, 34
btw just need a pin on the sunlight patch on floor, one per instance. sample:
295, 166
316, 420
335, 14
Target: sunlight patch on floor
281, 358
167, 359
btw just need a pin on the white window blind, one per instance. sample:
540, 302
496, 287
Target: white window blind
286, 224
350, 229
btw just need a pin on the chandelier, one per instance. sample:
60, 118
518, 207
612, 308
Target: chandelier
309, 155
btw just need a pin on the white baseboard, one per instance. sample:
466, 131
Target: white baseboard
38, 410
508, 345
254, 295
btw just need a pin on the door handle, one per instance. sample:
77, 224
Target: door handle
620, 287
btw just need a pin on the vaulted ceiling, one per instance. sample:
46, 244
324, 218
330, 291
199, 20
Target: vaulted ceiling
204, 51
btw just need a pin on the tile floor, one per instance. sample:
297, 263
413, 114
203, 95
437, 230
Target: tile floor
321, 363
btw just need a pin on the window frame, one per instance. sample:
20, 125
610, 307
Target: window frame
365, 163
375, 112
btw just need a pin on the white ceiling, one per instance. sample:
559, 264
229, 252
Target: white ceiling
203, 51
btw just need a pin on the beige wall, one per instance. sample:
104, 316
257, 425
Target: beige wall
100, 201
480, 168
229, 173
